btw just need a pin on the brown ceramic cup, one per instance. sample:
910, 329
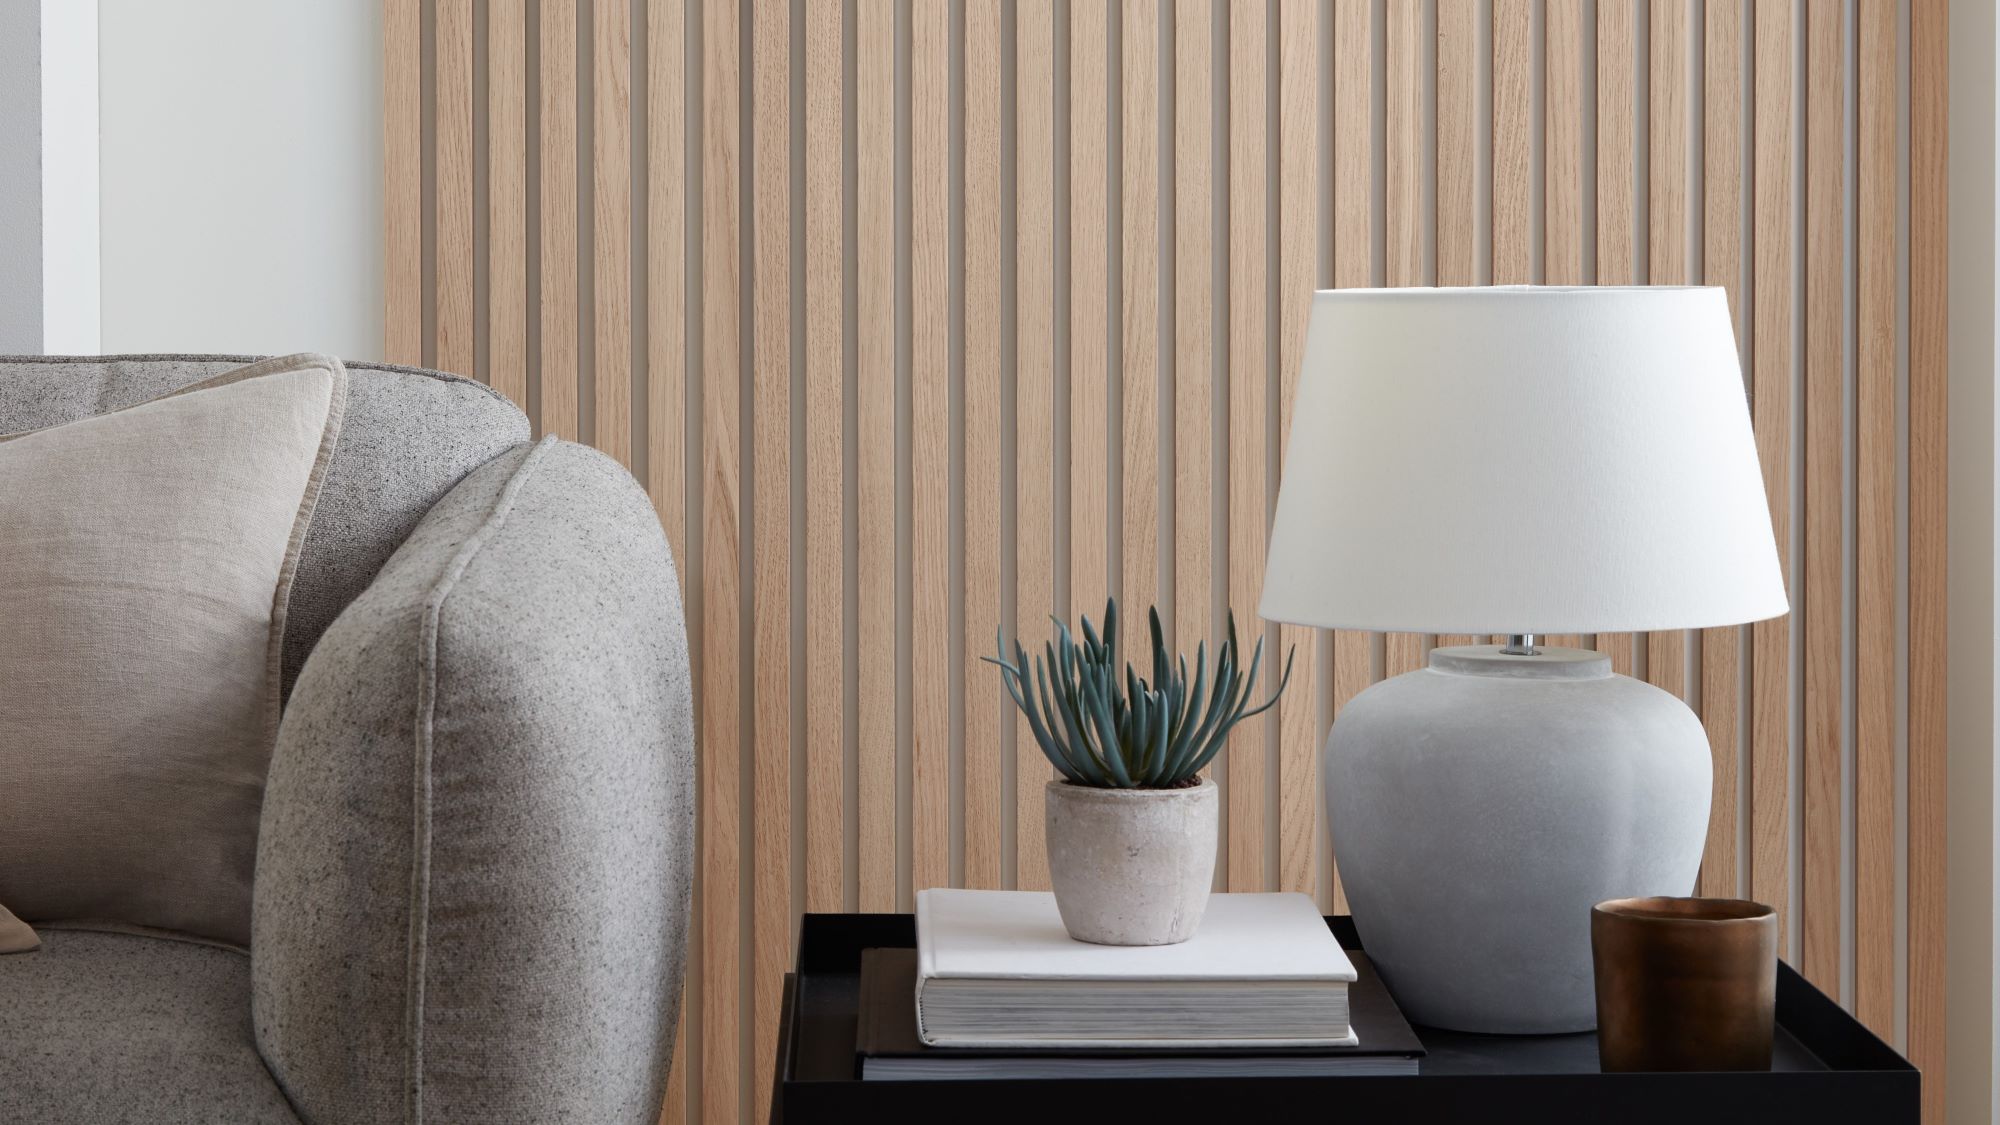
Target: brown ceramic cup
1684, 983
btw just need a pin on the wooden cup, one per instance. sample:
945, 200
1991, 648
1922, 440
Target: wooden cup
1684, 983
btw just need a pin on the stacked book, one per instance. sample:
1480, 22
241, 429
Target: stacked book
996, 989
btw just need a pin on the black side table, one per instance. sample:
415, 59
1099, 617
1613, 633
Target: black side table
1828, 1070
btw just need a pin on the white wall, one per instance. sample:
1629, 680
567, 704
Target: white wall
72, 294
241, 176
48, 176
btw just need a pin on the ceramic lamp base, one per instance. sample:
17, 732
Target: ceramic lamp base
1481, 806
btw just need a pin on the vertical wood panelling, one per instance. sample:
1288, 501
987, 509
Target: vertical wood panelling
1875, 522
482, 204
506, 215
982, 439
1091, 335
1034, 397
1139, 269
1617, 199
875, 445
611, 214
1298, 219
1091, 331
558, 218
1666, 230
1194, 313
452, 294
1563, 39
1771, 356
666, 267
932, 285
1513, 143
718, 667
1353, 211
403, 181
771, 552
1403, 208
825, 652
1929, 247
1457, 149
1249, 746
1824, 199
1722, 260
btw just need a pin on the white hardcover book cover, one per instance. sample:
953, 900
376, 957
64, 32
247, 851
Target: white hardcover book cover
1019, 936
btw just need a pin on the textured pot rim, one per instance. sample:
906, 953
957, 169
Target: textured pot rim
1663, 910
1100, 793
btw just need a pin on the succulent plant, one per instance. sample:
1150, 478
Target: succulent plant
1104, 725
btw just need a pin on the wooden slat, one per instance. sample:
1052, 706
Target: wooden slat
1875, 523
1139, 580
824, 382
1194, 311
875, 445
721, 713
452, 295
559, 218
1457, 144
666, 355
1722, 261
611, 220
1616, 196
1929, 249
1090, 334
674, 1105
1667, 241
1403, 208
932, 284
1353, 32
1513, 142
1820, 904
1771, 371
771, 553
984, 699
1298, 173
402, 181
507, 200
1249, 373
1034, 398
666, 268
1563, 35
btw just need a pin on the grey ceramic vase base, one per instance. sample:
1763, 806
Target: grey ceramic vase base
1131, 866
1481, 806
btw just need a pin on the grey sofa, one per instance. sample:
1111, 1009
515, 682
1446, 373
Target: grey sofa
474, 856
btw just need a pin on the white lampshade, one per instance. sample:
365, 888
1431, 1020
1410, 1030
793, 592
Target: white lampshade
1521, 459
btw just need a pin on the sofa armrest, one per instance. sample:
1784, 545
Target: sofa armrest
475, 855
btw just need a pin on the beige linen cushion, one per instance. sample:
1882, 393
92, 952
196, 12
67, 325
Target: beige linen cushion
146, 557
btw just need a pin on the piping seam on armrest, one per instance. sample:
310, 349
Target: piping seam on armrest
420, 820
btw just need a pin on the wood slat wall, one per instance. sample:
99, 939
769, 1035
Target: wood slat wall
917, 318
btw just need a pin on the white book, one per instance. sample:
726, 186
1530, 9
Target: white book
997, 969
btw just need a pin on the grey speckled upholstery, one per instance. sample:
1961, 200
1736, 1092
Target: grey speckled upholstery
517, 675
112, 1028
475, 854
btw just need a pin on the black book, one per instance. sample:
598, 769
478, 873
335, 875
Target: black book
887, 1047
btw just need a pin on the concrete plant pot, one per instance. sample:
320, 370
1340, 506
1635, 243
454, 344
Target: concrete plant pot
1131, 866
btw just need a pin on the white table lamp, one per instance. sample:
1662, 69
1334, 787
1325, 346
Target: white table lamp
1516, 461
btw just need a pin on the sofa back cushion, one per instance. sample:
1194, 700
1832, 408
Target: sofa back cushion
408, 436
146, 561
